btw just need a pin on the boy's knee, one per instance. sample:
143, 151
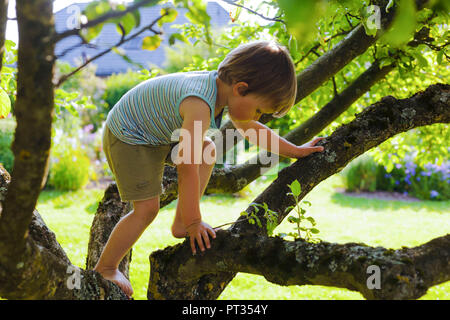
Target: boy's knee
209, 151
146, 209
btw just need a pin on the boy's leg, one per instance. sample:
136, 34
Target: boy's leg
205, 170
124, 235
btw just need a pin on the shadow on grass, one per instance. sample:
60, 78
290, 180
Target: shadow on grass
380, 204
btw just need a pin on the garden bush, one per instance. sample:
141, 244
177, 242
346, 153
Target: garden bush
7, 128
428, 182
117, 85
6, 154
70, 167
361, 174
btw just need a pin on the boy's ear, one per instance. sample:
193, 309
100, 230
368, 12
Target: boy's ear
240, 88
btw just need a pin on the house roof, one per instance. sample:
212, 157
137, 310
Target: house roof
111, 62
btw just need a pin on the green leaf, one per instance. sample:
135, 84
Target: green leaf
137, 17
94, 10
370, 19
5, 104
238, 11
439, 56
177, 36
128, 22
311, 219
288, 209
169, 15
151, 42
404, 24
423, 62
295, 188
389, 166
292, 219
314, 230
301, 16
255, 206
151, 4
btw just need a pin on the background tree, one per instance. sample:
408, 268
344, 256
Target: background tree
28, 248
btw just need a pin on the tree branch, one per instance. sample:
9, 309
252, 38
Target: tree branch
404, 274
233, 3
108, 214
118, 44
110, 15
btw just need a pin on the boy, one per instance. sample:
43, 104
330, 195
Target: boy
253, 79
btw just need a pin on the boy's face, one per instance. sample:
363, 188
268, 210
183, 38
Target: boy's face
248, 107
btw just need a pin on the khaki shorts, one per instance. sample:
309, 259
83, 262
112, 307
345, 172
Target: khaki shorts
138, 169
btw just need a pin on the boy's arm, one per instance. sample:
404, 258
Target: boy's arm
266, 138
196, 117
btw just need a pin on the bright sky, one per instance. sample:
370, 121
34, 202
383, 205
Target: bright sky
11, 28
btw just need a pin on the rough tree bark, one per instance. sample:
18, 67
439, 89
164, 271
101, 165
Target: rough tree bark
374, 125
33, 110
109, 212
45, 271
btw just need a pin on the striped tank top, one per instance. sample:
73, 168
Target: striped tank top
149, 112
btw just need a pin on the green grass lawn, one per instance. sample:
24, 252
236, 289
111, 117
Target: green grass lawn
339, 218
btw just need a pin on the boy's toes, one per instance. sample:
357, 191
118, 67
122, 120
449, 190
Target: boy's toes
119, 279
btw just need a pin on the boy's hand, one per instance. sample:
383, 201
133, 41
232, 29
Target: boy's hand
309, 147
199, 231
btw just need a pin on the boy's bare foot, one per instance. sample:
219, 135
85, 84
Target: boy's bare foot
118, 278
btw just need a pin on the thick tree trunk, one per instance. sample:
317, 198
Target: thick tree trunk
109, 212
371, 127
34, 113
44, 271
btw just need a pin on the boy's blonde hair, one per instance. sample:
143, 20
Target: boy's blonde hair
267, 68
